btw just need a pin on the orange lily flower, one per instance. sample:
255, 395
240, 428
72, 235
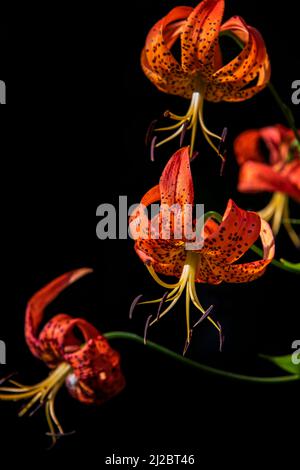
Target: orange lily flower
200, 73
89, 367
215, 261
280, 174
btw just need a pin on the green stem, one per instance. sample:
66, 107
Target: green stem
282, 264
197, 365
287, 112
212, 215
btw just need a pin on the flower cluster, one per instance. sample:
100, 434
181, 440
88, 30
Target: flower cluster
171, 242
200, 75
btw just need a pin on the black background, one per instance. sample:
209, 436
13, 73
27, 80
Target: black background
73, 138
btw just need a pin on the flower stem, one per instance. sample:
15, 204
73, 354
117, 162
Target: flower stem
282, 264
285, 110
124, 335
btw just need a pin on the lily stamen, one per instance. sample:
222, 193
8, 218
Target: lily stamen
278, 174
90, 369
200, 73
146, 328
225, 241
187, 283
44, 392
189, 121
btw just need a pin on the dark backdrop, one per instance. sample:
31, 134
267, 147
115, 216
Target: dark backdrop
73, 138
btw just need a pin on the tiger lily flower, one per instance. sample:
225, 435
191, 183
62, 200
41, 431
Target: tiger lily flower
278, 173
88, 366
213, 263
200, 74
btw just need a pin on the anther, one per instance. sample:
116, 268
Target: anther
221, 148
221, 337
205, 315
183, 132
194, 156
7, 377
149, 133
153, 143
133, 305
39, 405
60, 434
187, 343
146, 328
160, 305
223, 162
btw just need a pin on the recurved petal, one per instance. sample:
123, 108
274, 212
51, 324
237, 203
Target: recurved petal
199, 38
272, 137
250, 59
247, 73
247, 146
210, 227
256, 177
157, 60
237, 232
96, 373
166, 256
38, 303
247, 272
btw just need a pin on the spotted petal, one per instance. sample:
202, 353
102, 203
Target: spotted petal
176, 184
36, 307
166, 256
256, 177
247, 272
157, 60
233, 81
237, 232
200, 38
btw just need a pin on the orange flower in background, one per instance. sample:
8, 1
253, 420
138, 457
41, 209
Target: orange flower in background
200, 73
214, 261
270, 161
88, 366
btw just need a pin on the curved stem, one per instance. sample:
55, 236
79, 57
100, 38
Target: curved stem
285, 110
282, 264
197, 365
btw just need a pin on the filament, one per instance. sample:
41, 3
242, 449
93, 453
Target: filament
189, 122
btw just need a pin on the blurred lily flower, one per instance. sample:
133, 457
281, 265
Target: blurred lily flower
277, 170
